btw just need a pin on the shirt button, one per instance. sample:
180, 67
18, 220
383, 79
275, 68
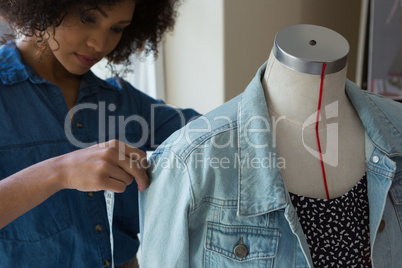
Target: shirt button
240, 250
98, 228
91, 194
382, 226
80, 125
106, 263
376, 159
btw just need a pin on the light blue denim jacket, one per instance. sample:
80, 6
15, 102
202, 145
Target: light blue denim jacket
217, 181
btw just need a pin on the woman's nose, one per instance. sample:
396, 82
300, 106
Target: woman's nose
98, 41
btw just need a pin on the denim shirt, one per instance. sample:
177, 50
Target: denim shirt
70, 229
217, 198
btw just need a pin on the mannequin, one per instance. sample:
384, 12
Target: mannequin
292, 85
257, 214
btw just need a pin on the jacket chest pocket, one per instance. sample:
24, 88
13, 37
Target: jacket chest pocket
396, 195
240, 246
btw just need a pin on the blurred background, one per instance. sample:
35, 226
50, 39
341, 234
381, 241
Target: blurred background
218, 45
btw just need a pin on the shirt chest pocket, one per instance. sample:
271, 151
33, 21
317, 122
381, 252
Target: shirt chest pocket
48, 218
240, 246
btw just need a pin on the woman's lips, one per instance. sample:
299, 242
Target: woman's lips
86, 60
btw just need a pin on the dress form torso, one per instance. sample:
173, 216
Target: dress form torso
292, 86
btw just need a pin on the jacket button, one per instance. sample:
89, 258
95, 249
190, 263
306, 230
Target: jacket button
240, 250
90, 194
376, 159
80, 125
382, 226
98, 228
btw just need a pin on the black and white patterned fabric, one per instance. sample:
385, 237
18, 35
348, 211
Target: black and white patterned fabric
337, 230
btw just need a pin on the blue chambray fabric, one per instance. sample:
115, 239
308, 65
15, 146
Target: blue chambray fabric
207, 194
61, 232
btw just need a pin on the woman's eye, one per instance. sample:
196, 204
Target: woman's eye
117, 29
86, 19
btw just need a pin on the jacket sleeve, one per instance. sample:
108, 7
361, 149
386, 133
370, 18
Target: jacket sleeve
164, 214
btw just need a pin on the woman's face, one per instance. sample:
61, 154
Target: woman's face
84, 39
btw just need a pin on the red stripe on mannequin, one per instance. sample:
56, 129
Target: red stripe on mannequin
316, 129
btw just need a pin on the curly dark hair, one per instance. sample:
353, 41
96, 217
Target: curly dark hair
151, 19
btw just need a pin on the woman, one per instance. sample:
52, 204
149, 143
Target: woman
60, 127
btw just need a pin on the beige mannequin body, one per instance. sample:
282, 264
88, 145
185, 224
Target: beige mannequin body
292, 99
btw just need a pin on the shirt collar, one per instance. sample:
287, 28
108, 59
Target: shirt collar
262, 190
14, 70
11, 68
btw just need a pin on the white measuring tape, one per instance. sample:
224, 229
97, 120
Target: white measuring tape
109, 198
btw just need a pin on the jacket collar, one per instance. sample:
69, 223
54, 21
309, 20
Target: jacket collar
381, 118
14, 70
261, 187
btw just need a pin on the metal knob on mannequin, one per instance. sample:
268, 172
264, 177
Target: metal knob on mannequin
304, 48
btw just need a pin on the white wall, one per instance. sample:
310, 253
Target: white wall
218, 45
194, 56
251, 26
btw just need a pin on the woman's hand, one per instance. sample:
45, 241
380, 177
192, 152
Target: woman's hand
106, 166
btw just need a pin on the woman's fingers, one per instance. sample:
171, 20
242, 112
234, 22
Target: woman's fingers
114, 185
131, 160
106, 166
117, 173
136, 164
